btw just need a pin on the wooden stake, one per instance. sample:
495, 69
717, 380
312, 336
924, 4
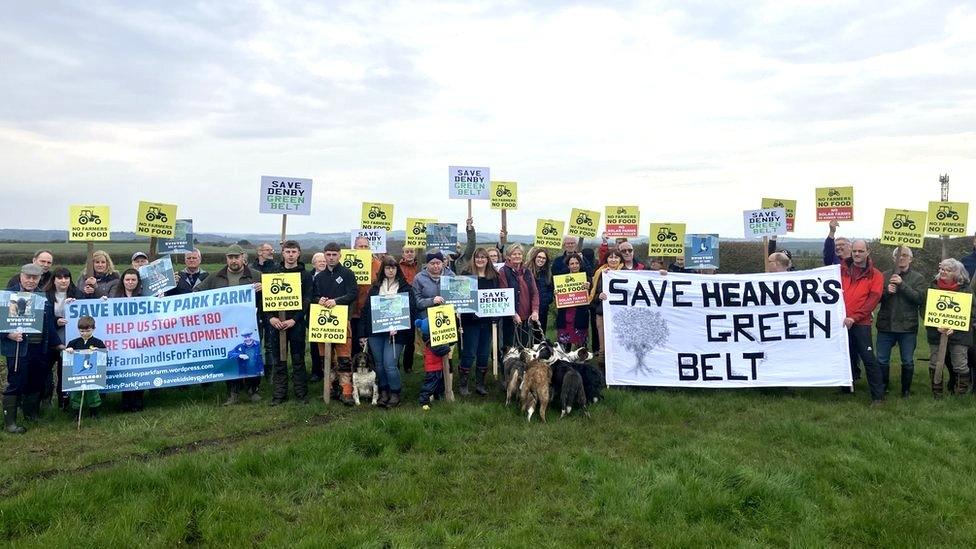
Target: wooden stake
494, 349
940, 358
325, 351
504, 241
448, 378
17, 356
282, 336
469, 209
80, 408
765, 247
90, 268
153, 256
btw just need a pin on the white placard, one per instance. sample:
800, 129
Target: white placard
497, 302
726, 331
764, 222
376, 237
469, 182
286, 195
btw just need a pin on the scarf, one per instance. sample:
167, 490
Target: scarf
949, 285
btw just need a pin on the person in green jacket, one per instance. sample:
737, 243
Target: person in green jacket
902, 302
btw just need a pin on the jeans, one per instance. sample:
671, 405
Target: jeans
906, 346
860, 346
475, 346
386, 353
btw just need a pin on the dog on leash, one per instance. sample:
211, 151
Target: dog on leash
572, 393
513, 367
593, 381
364, 378
535, 388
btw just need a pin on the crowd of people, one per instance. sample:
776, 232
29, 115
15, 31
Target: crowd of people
897, 296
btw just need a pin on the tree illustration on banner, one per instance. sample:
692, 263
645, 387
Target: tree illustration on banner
640, 330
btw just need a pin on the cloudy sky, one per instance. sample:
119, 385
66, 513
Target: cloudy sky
692, 110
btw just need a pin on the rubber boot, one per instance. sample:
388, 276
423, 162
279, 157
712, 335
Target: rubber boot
10, 415
479, 380
936, 389
962, 383
394, 400
907, 374
231, 397
31, 405
384, 397
347, 390
885, 376
463, 384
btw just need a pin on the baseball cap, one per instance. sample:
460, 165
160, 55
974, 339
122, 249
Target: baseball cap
32, 270
234, 249
138, 255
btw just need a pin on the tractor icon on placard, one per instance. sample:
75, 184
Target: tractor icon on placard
418, 229
946, 302
375, 211
154, 213
328, 318
833, 192
503, 191
665, 233
442, 319
583, 219
621, 211
778, 204
549, 230
902, 220
87, 216
278, 284
352, 260
945, 212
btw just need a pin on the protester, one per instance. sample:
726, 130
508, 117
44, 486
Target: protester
862, 284
292, 327
539, 265
60, 291
902, 302
43, 259
771, 249
571, 246
27, 356
191, 274
130, 285
516, 329
678, 265
835, 250
952, 277
387, 346
572, 323
100, 275
476, 332
427, 284
409, 267
236, 273
778, 262
631, 263
85, 341
264, 258
336, 285
615, 261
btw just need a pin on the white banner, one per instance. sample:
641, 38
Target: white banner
726, 331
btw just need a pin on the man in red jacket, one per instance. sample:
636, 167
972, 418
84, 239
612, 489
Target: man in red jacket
862, 285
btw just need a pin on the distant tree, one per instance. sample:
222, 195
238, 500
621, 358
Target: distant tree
243, 242
640, 330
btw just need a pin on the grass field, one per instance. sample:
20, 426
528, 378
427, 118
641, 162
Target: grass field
668, 467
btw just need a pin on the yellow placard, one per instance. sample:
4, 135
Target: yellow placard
359, 262
417, 232
443, 324
903, 227
948, 218
281, 291
583, 223
156, 219
788, 205
377, 216
666, 239
623, 221
835, 204
88, 223
549, 233
944, 309
572, 290
504, 195
328, 325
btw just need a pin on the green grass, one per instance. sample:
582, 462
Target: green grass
808, 467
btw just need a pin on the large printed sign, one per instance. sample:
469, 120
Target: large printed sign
376, 238
377, 216
622, 221
948, 218
83, 370
786, 204
359, 262
944, 309
733, 331
157, 276
495, 303
468, 182
701, 251
328, 325
903, 227
389, 313
504, 195
180, 340
666, 239
764, 222
21, 312
443, 324
572, 290
286, 195
416, 232
281, 291
549, 233
835, 204
182, 241
460, 291
442, 236
156, 219
583, 223
87, 222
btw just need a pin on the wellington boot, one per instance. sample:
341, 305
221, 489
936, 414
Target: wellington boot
479, 379
463, 384
394, 400
382, 400
936, 388
231, 398
346, 398
10, 415
962, 384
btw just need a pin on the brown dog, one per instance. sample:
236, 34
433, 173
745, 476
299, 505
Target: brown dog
535, 388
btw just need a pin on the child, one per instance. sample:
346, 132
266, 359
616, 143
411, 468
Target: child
87, 341
433, 386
